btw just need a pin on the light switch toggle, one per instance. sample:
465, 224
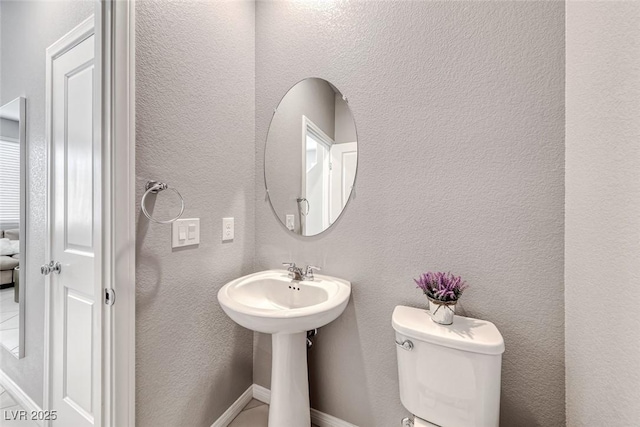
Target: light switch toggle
185, 232
227, 229
291, 222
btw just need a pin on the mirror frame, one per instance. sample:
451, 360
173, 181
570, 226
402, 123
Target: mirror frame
22, 136
264, 162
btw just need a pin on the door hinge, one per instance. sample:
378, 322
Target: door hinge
109, 296
330, 166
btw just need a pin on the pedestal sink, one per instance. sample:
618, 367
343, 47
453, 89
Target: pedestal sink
271, 302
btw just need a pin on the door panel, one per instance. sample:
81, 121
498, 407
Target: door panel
79, 158
77, 387
75, 342
344, 161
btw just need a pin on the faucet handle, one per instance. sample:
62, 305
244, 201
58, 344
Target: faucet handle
292, 269
309, 271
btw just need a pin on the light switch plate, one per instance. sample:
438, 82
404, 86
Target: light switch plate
291, 222
185, 232
227, 229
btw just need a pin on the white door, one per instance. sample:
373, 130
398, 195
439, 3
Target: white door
75, 303
344, 160
316, 187
314, 209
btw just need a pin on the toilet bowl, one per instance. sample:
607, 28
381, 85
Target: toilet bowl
417, 422
449, 375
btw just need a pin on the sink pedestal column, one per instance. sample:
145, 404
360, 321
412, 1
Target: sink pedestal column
289, 405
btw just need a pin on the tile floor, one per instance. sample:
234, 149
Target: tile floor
255, 414
9, 409
9, 309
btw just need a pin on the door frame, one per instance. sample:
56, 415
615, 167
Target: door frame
113, 24
327, 142
117, 30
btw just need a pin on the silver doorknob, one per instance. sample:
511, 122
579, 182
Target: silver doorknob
52, 267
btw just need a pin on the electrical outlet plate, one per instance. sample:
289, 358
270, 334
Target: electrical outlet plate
185, 232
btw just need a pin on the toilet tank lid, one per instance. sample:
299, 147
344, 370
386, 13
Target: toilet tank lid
466, 333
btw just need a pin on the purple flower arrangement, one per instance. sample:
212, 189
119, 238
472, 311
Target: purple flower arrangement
441, 286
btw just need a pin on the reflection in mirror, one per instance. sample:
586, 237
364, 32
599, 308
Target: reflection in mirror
12, 213
311, 157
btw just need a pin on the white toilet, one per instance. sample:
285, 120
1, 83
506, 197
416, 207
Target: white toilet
449, 375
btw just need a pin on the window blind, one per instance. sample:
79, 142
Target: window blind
9, 183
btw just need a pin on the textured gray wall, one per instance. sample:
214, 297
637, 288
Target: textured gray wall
27, 28
195, 130
602, 214
460, 114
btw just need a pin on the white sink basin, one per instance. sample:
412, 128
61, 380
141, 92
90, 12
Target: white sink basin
271, 302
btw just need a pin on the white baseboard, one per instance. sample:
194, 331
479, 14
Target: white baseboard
321, 419
262, 394
318, 418
235, 409
19, 395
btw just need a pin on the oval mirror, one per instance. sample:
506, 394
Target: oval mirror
311, 157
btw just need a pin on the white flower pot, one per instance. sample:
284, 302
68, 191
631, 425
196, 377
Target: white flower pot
442, 312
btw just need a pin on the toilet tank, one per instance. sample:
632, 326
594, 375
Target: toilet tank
449, 375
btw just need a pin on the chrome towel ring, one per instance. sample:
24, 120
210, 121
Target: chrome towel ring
155, 187
300, 200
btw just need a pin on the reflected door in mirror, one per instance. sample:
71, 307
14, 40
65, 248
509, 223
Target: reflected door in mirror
314, 212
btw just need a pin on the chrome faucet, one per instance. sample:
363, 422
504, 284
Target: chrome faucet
297, 273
